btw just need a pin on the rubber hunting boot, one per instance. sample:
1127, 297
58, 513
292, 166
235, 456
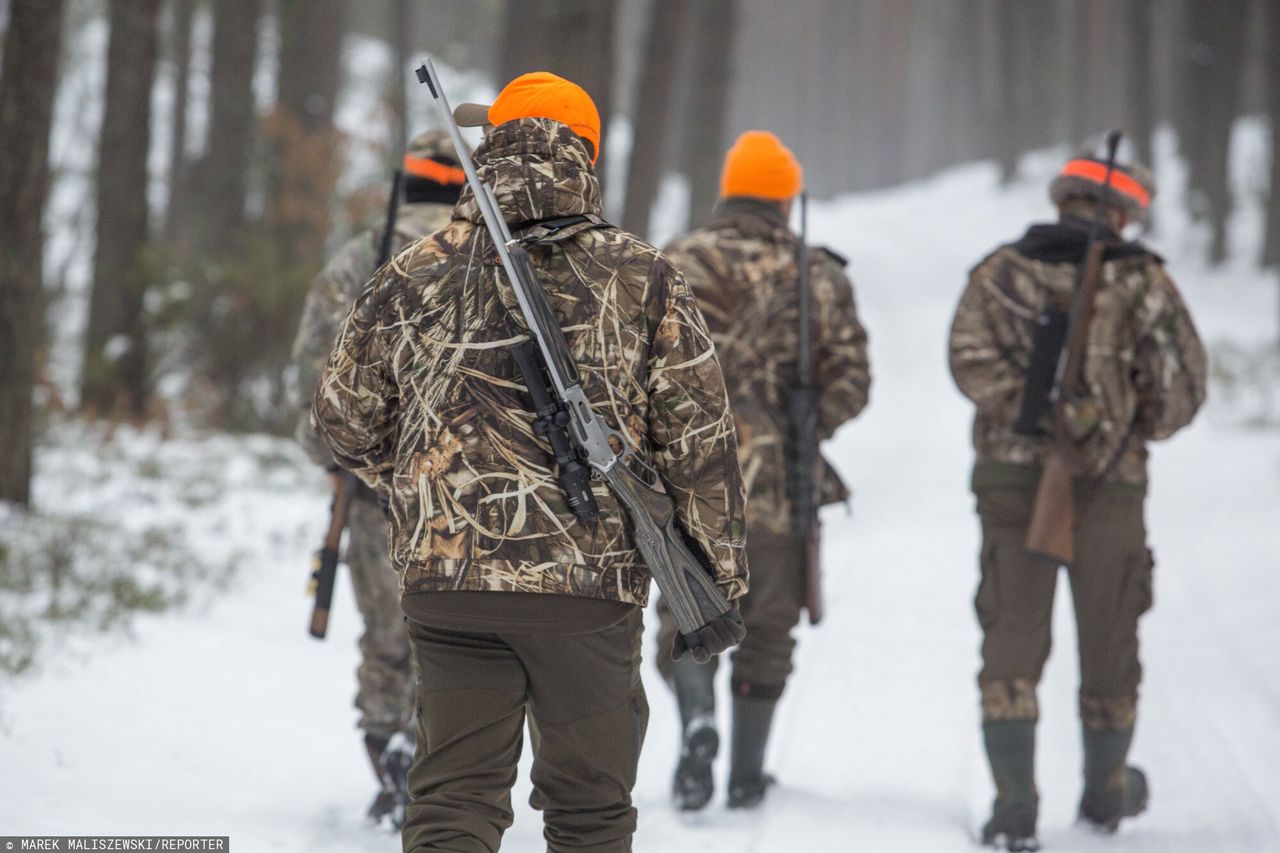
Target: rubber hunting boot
694, 686
1112, 790
1011, 750
752, 719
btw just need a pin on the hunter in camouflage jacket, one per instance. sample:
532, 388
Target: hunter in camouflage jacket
743, 269
331, 296
422, 399
1145, 366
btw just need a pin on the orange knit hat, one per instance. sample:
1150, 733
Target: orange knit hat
759, 165
539, 94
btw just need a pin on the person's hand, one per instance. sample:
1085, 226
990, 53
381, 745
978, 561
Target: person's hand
719, 635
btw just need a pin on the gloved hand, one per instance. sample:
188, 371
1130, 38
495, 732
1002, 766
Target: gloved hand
719, 635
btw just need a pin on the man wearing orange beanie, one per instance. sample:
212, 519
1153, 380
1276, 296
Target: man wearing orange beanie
744, 270
517, 610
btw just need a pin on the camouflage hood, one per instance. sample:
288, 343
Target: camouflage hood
538, 169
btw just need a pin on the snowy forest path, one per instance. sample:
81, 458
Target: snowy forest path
231, 721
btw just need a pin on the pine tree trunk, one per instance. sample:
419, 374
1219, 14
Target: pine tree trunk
402, 20
181, 13
301, 129
714, 25
27, 84
649, 130
219, 180
115, 364
1139, 94
1271, 251
1220, 29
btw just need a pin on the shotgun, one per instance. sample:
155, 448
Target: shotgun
1051, 531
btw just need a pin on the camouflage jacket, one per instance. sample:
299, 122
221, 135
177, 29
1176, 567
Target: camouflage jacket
331, 296
421, 397
1145, 366
743, 269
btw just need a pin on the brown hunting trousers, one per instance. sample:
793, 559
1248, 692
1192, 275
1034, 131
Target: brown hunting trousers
1111, 587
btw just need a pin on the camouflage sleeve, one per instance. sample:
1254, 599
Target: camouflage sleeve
1169, 365
842, 369
979, 362
329, 300
692, 432
356, 399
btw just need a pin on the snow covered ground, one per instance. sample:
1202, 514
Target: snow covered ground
227, 719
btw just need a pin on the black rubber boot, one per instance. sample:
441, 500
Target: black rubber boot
1011, 750
384, 802
752, 719
1112, 790
694, 686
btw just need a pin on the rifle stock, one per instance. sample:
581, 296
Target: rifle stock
813, 602
325, 563
1050, 533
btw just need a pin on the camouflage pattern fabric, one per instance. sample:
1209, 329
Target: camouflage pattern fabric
743, 269
331, 296
422, 399
384, 676
1144, 370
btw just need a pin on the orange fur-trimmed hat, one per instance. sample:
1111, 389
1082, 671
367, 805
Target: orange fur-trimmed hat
539, 94
759, 165
1132, 186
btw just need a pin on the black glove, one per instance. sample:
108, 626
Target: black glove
720, 634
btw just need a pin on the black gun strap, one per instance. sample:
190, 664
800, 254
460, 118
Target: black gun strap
546, 231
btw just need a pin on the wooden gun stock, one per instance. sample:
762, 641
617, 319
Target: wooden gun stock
813, 573
1051, 533
325, 563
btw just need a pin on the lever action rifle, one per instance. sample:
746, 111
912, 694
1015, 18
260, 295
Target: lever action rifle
324, 563
1054, 381
803, 410
577, 435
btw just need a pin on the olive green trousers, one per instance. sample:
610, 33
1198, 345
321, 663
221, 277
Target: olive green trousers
585, 705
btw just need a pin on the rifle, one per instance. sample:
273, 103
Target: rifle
324, 563
803, 411
1050, 533
563, 415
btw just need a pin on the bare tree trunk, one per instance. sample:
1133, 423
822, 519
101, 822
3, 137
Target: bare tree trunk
301, 129
115, 363
403, 18
1140, 94
1213, 91
219, 181
1012, 80
714, 24
649, 132
27, 83
181, 13
1271, 251
572, 38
